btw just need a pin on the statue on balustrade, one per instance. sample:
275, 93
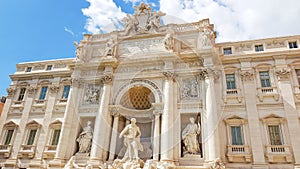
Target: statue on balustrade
85, 139
190, 138
131, 134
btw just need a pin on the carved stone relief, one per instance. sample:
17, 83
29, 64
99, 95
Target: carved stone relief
91, 94
190, 88
283, 74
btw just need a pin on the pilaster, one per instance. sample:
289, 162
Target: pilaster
291, 114
101, 137
257, 147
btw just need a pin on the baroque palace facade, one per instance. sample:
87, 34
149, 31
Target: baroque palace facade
197, 103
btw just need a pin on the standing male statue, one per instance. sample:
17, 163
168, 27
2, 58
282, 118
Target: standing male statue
131, 135
85, 139
190, 139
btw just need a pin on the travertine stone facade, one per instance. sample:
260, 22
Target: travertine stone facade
244, 97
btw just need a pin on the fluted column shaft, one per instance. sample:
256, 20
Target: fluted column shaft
114, 137
102, 129
167, 119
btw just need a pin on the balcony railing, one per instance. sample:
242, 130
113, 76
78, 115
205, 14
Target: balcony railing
5, 150
27, 150
267, 92
275, 153
278, 149
233, 149
232, 91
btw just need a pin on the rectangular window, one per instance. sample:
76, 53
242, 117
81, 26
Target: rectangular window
298, 75
230, 81
236, 135
43, 93
265, 79
227, 51
21, 94
49, 67
28, 69
275, 135
55, 137
8, 137
259, 48
66, 91
293, 45
31, 137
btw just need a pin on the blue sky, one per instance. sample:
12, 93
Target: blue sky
34, 30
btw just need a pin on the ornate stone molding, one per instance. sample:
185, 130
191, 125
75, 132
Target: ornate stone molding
246, 75
76, 82
283, 73
54, 88
203, 74
10, 91
106, 79
31, 89
169, 75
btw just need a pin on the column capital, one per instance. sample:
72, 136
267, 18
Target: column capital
283, 73
107, 79
247, 75
76, 82
169, 75
54, 88
10, 91
205, 73
32, 90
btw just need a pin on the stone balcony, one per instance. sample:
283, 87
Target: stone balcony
267, 92
17, 106
27, 151
279, 154
234, 95
238, 153
5, 150
49, 151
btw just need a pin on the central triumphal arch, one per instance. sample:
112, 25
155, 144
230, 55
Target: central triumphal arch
157, 83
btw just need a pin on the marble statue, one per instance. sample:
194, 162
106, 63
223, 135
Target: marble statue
205, 38
78, 50
131, 134
129, 24
91, 95
190, 139
168, 42
85, 139
218, 164
110, 48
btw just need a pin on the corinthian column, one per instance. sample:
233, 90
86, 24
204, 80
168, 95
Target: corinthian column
114, 135
102, 129
156, 135
211, 119
167, 119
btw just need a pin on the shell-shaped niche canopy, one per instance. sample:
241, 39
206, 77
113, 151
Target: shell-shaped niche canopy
138, 98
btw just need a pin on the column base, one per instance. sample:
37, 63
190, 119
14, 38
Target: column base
57, 163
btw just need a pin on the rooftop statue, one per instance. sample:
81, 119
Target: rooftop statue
144, 20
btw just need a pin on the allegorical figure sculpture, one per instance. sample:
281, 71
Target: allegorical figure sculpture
131, 134
168, 42
205, 38
190, 137
85, 139
110, 48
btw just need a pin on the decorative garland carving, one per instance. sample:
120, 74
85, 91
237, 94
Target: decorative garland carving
106, 79
246, 75
283, 74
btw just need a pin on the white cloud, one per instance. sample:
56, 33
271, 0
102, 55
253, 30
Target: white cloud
69, 31
234, 20
239, 20
103, 16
